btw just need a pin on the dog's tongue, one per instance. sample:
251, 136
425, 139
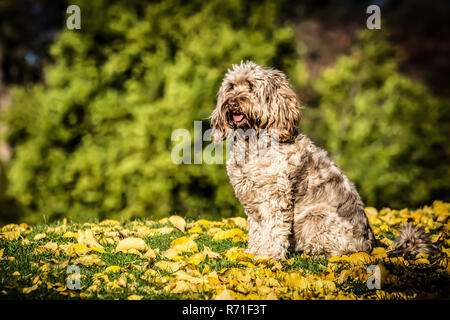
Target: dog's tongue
238, 117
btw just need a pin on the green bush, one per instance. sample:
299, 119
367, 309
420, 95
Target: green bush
95, 140
388, 133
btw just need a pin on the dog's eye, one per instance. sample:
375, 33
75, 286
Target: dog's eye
250, 85
231, 86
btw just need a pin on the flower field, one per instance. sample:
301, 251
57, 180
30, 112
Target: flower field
177, 259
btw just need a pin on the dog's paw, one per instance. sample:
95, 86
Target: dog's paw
251, 251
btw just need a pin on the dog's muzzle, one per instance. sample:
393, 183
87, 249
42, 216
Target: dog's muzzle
235, 112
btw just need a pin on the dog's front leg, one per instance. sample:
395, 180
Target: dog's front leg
278, 230
255, 238
270, 235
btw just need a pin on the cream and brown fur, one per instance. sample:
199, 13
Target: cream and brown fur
299, 197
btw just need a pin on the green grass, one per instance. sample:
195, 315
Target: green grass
23, 264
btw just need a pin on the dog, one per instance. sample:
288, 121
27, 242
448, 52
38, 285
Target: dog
294, 195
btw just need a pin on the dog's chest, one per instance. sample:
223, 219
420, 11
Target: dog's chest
255, 178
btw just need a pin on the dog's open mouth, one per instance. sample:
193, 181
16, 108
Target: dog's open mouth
238, 117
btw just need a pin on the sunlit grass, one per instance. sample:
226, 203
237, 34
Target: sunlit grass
206, 263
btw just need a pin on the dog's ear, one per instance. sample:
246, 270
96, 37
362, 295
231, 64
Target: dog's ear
284, 107
219, 122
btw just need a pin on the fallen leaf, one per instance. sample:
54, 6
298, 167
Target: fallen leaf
211, 254
237, 222
379, 252
184, 244
170, 253
29, 289
39, 236
169, 266
150, 254
196, 259
195, 230
109, 222
131, 243
87, 237
296, 280
227, 234
114, 269
225, 294
12, 235
178, 222
236, 255
361, 258
90, 260
183, 275
70, 234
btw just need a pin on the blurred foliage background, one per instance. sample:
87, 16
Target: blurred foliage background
87, 115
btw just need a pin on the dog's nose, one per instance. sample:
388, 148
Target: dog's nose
233, 103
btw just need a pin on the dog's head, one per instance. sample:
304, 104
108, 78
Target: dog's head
253, 97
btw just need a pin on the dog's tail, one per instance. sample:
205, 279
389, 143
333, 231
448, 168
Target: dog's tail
412, 240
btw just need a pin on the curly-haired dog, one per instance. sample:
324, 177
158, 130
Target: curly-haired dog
294, 194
